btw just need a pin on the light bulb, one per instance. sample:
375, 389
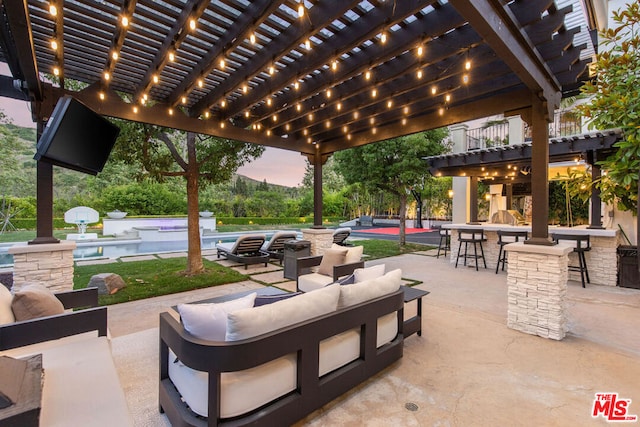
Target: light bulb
107, 76
192, 24
56, 71
419, 74
114, 55
184, 99
252, 38
172, 56
101, 96
200, 83
54, 45
124, 21
420, 50
367, 75
467, 65
307, 44
53, 10
300, 10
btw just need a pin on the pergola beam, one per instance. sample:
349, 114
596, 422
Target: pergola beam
498, 27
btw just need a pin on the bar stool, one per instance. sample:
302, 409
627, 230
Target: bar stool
445, 240
471, 236
581, 244
504, 238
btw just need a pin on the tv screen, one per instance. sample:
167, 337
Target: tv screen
76, 138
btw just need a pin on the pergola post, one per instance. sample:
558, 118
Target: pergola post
473, 199
539, 174
596, 202
44, 199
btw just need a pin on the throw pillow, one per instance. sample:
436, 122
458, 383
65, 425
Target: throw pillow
368, 273
354, 253
370, 289
251, 322
330, 258
208, 321
34, 300
268, 299
6, 314
347, 280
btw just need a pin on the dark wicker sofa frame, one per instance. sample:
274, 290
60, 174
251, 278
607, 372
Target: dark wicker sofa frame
47, 328
303, 338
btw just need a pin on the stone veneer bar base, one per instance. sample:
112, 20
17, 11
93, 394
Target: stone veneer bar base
537, 285
50, 264
320, 238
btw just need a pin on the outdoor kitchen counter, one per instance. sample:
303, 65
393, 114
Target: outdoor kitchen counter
601, 260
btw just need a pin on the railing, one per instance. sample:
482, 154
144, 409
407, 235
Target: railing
565, 123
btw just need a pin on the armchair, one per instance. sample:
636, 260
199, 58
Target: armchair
336, 262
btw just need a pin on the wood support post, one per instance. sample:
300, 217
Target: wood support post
44, 200
596, 202
317, 189
473, 199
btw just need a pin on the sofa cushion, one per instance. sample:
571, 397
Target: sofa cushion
368, 273
354, 253
312, 281
240, 391
209, 321
370, 289
34, 300
251, 322
6, 313
331, 257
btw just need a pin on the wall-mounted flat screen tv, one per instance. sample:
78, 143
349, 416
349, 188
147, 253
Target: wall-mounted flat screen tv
76, 138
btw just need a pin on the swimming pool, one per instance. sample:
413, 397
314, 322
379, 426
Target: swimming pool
119, 248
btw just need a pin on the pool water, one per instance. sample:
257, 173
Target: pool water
115, 249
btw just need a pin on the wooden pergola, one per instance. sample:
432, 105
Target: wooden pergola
309, 76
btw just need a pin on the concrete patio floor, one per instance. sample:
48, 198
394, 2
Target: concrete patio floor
468, 368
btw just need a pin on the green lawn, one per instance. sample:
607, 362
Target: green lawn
157, 277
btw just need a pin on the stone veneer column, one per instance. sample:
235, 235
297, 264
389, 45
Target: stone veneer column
49, 264
537, 285
320, 238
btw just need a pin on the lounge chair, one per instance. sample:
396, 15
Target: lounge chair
245, 250
340, 236
275, 246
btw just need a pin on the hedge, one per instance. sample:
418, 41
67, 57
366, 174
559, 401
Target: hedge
58, 223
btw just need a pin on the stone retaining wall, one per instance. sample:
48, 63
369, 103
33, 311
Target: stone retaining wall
50, 264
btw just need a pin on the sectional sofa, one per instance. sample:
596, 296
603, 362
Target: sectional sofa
273, 364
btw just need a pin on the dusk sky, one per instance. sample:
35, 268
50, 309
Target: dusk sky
276, 166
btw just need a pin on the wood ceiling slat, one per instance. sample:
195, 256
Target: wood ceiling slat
365, 28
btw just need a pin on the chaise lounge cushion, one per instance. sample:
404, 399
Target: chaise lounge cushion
369, 289
34, 300
251, 322
209, 321
6, 313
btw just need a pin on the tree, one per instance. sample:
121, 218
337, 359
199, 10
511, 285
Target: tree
615, 103
394, 166
199, 160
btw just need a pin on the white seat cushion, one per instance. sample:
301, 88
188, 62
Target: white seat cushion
312, 281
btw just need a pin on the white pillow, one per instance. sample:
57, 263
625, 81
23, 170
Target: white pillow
368, 273
251, 322
370, 289
209, 321
6, 313
354, 253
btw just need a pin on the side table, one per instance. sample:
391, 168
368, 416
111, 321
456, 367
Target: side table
413, 325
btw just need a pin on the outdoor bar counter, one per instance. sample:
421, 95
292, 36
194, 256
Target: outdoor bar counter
601, 259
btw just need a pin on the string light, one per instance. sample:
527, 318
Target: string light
184, 99
101, 96
372, 120
301, 9
114, 55
287, 127
328, 124
374, 130
447, 98
298, 107
252, 38
349, 137
124, 21
222, 64
310, 116
404, 121
328, 93
192, 24
245, 88
155, 78
334, 65
207, 114
339, 106
135, 109
223, 103
275, 119
296, 85
269, 102
307, 44
247, 114
272, 70
405, 110
309, 140
356, 115
200, 83
56, 71
441, 111
144, 97
305, 132
53, 10
420, 50
367, 75
383, 37
107, 76
419, 74
465, 78
268, 132
389, 103
467, 65
374, 93
221, 125
434, 90
172, 56
54, 45
345, 129
171, 111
